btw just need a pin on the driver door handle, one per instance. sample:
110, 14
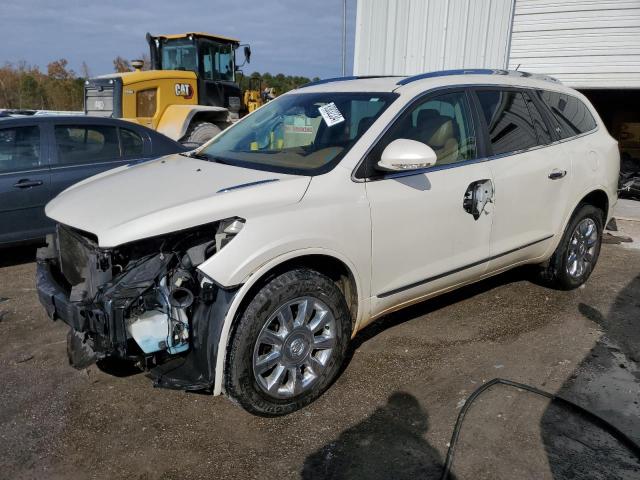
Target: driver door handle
557, 174
26, 183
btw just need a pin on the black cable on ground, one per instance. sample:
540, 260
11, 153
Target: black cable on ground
595, 419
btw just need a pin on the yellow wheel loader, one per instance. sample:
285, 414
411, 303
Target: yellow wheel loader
190, 94
253, 95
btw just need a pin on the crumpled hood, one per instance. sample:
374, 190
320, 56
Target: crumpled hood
169, 194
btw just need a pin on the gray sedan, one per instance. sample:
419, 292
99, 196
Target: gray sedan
42, 155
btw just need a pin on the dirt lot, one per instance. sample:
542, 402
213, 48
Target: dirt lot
389, 415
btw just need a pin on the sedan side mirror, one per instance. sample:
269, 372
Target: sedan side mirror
404, 154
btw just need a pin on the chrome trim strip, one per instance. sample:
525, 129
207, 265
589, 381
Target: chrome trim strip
244, 185
459, 269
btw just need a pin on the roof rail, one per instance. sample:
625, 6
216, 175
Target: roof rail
344, 79
477, 71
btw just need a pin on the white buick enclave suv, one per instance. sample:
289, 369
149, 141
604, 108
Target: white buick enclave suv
246, 266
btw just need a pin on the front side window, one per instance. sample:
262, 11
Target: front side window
570, 116
302, 133
510, 125
217, 61
19, 149
86, 144
443, 122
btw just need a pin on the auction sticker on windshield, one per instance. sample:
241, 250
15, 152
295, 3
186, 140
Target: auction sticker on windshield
331, 114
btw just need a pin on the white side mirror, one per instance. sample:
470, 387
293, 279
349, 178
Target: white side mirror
403, 154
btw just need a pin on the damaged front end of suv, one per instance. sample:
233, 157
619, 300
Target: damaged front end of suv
145, 301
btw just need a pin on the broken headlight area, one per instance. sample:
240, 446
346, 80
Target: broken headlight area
145, 301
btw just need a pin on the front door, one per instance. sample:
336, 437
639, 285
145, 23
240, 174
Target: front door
24, 184
426, 236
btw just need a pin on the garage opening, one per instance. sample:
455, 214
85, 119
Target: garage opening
620, 113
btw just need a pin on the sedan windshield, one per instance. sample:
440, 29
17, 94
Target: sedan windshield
300, 133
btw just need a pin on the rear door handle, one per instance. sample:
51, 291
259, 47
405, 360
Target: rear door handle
556, 174
26, 183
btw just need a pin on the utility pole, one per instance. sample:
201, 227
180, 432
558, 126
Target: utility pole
344, 38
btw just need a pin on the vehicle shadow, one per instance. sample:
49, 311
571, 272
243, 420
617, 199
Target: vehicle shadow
606, 382
12, 256
388, 444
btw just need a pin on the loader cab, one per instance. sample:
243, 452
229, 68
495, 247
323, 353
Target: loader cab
210, 57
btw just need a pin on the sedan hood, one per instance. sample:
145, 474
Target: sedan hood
169, 194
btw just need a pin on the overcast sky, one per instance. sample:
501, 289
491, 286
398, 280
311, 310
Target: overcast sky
295, 37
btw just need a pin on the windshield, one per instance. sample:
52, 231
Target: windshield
179, 55
301, 133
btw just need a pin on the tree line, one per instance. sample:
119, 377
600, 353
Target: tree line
24, 86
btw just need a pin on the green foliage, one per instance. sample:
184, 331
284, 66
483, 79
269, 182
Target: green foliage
282, 83
24, 86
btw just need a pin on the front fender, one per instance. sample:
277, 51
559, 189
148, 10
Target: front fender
257, 275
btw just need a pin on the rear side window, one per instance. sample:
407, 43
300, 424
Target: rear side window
132, 144
542, 131
571, 117
86, 144
20, 149
510, 124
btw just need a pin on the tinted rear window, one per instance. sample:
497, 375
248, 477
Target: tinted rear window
542, 130
132, 143
86, 144
20, 149
571, 117
510, 124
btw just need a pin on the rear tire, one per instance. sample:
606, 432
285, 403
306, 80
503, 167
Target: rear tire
199, 133
577, 253
279, 362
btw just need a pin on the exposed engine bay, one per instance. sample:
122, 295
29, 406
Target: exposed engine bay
145, 301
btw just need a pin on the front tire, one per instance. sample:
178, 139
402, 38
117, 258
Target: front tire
577, 253
289, 344
199, 133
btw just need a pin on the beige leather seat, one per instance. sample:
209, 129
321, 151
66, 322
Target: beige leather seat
440, 133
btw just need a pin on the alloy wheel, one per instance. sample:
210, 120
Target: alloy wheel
294, 347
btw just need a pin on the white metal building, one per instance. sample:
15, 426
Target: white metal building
591, 45
584, 43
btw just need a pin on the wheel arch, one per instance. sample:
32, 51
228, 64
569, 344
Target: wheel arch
598, 198
329, 263
176, 119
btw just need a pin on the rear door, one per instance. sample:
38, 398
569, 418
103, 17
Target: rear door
83, 150
530, 174
24, 183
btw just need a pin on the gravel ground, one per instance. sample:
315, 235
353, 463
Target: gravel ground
389, 415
